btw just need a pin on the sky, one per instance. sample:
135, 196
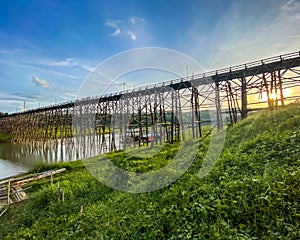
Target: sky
48, 48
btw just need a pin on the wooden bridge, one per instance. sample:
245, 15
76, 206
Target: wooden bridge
163, 112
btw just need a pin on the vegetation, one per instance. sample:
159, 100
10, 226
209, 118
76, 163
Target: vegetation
251, 193
4, 138
3, 114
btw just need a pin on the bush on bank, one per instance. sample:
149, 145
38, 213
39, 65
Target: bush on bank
4, 138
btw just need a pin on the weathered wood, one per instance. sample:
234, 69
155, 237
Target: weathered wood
244, 110
54, 123
2, 211
31, 177
8, 191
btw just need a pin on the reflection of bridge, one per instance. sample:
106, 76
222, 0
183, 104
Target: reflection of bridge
172, 109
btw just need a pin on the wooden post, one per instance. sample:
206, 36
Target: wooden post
244, 111
146, 120
140, 125
193, 114
267, 90
181, 119
218, 107
172, 117
161, 119
276, 89
8, 192
229, 102
197, 113
51, 179
58, 191
165, 120
81, 210
280, 88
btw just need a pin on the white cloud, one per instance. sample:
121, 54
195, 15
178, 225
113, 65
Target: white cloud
52, 64
116, 32
115, 25
88, 68
66, 62
40, 82
290, 5
63, 63
20, 96
240, 38
125, 28
131, 35
10, 51
135, 20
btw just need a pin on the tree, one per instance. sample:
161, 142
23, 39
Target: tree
3, 114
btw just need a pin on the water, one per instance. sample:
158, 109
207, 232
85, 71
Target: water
19, 158
8, 168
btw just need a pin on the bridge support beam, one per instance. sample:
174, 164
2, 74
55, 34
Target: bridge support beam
218, 106
280, 88
244, 110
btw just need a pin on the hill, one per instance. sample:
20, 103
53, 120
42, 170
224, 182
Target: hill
251, 193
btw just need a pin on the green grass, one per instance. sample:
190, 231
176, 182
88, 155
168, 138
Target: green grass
5, 138
251, 193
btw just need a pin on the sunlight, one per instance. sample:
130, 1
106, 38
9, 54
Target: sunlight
274, 96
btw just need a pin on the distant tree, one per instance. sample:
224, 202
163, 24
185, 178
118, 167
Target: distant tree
3, 114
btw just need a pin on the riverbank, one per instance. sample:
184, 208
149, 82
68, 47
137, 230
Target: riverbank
251, 193
5, 138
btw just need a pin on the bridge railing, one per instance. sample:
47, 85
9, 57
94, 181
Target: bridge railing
207, 74
194, 76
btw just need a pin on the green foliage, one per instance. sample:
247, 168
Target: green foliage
5, 138
2, 114
251, 193
144, 159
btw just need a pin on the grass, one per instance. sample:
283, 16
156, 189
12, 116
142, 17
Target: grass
251, 193
5, 138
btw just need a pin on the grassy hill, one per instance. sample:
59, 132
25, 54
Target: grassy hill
251, 193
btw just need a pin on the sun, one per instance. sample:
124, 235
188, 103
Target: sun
274, 96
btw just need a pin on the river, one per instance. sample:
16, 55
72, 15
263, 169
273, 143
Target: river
19, 158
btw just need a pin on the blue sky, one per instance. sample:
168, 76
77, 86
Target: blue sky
48, 47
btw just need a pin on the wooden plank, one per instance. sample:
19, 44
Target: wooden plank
43, 175
31, 177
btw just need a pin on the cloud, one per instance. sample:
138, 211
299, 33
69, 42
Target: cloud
290, 5
135, 19
64, 63
131, 35
28, 96
237, 38
13, 51
40, 82
88, 68
127, 28
116, 32
20, 97
51, 64
115, 25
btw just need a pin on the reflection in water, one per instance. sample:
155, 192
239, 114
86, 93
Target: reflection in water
16, 158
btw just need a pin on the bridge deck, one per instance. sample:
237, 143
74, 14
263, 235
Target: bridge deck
267, 65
